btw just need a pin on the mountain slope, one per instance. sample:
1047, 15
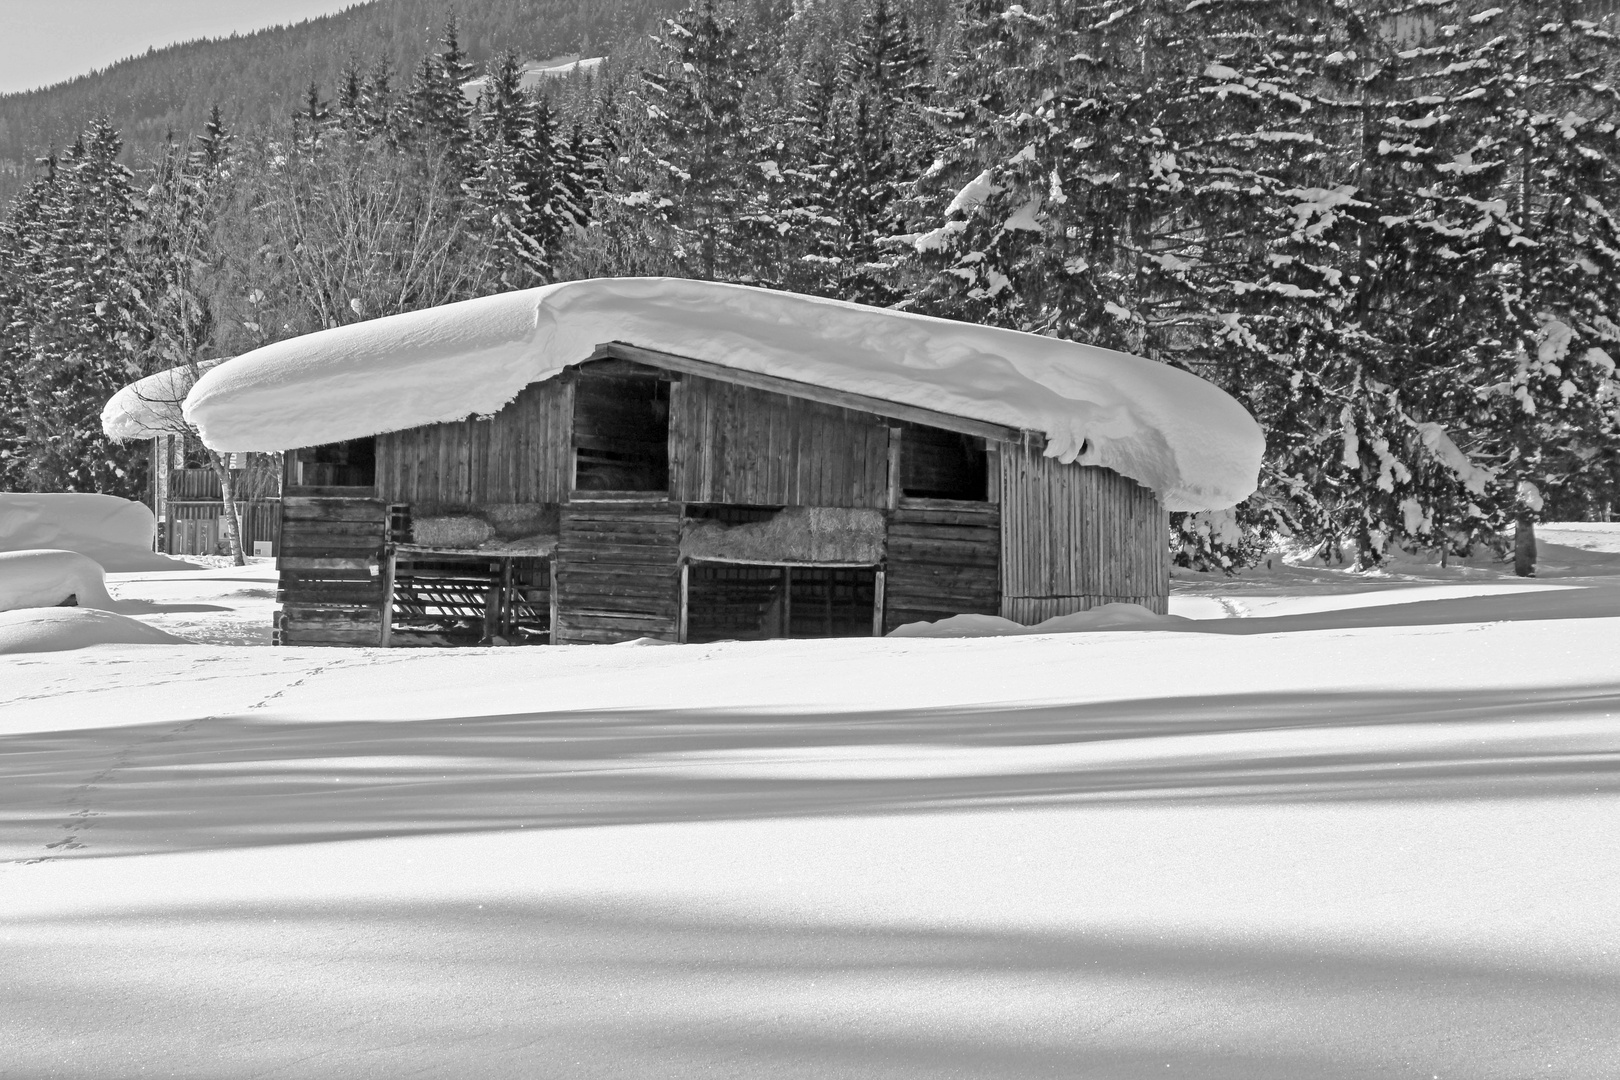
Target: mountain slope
256, 77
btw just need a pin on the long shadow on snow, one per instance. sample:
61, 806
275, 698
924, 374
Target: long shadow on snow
245, 781
497, 988
1587, 602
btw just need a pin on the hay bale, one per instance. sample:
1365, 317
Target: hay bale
451, 532
798, 534
541, 544
517, 521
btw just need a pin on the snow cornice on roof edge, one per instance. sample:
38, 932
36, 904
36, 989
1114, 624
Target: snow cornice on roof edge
1167, 429
153, 406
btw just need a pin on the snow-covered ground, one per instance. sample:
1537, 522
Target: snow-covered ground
1333, 825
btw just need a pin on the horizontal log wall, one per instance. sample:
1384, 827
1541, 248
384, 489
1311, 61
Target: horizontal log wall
943, 559
519, 455
328, 590
736, 444
1077, 536
618, 574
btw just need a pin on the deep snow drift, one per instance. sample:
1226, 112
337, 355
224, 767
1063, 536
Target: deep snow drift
116, 533
1165, 428
61, 629
1358, 826
33, 579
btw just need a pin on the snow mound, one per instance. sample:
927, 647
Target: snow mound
1107, 617
41, 579
57, 629
1165, 428
114, 532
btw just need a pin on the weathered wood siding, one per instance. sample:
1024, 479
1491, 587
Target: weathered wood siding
328, 591
1074, 537
618, 572
519, 455
943, 559
736, 444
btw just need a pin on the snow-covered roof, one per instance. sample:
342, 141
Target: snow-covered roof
151, 407
1167, 429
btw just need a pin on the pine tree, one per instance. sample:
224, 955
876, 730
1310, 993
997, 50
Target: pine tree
439, 112
528, 181
860, 136
312, 120
705, 138
69, 332
1546, 143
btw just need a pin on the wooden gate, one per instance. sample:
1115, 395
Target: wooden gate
332, 565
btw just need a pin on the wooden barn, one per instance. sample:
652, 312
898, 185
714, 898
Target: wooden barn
638, 490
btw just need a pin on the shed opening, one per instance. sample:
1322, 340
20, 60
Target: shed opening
444, 599
940, 464
727, 602
621, 433
352, 463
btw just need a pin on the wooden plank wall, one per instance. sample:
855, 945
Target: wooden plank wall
735, 444
1078, 536
196, 528
944, 557
519, 455
329, 594
618, 572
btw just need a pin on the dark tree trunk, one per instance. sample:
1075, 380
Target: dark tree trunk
1524, 547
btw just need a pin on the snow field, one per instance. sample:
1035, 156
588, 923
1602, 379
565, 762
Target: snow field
1365, 831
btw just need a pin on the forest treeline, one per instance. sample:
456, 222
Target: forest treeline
256, 78
1388, 228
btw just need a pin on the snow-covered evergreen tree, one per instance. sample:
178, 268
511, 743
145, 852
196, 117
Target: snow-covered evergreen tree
529, 180
704, 156
68, 338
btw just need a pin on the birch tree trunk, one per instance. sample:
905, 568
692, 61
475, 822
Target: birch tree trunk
227, 498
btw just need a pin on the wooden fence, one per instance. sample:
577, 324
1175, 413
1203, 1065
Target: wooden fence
198, 528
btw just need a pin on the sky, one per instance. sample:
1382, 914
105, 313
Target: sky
46, 41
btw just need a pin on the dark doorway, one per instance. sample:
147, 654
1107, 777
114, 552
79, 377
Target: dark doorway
939, 464
352, 463
754, 603
621, 433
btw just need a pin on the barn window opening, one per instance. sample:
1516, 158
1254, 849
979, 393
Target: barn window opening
352, 463
621, 433
939, 464
756, 603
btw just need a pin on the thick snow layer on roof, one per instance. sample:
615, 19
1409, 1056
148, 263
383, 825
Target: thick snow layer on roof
1164, 428
150, 407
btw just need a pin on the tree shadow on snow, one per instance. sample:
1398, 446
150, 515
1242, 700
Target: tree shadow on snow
1528, 605
245, 780
509, 988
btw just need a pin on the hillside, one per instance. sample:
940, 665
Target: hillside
255, 77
